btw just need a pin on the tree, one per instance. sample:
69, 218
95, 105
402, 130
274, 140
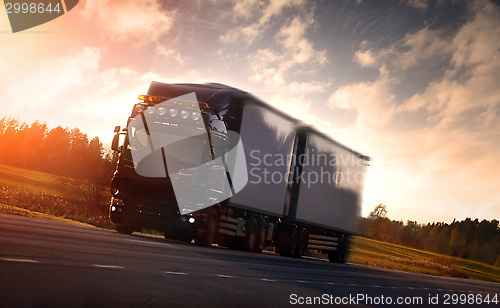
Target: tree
379, 211
55, 151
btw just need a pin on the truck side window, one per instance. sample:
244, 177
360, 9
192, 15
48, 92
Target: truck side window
218, 125
218, 135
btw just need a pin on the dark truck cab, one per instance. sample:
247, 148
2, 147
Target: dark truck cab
140, 202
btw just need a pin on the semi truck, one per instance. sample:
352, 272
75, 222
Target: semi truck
288, 187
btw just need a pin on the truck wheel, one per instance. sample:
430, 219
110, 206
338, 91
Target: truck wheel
124, 229
302, 242
250, 240
262, 234
207, 238
338, 255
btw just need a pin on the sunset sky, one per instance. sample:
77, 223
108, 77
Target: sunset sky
413, 84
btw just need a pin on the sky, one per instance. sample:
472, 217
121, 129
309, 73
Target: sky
413, 84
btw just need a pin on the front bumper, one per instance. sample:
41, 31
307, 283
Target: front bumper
122, 212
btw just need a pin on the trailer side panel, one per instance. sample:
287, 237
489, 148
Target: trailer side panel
268, 141
331, 185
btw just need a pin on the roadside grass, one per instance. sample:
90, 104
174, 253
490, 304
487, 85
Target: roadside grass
14, 210
37, 194
49, 194
375, 253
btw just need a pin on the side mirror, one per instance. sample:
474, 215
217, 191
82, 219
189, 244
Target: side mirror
116, 140
117, 129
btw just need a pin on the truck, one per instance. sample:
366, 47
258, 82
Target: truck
289, 187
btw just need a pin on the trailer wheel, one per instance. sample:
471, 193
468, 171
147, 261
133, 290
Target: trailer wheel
338, 255
208, 237
250, 240
262, 234
302, 242
124, 229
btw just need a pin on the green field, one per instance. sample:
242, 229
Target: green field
33, 181
32, 193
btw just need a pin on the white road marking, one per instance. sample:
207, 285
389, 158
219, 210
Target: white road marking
301, 281
175, 273
20, 260
148, 242
107, 266
225, 276
268, 280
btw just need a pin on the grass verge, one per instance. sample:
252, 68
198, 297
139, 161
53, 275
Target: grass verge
375, 253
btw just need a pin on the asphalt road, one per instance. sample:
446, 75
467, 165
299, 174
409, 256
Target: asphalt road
45, 263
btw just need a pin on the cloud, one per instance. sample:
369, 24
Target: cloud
73, 90
373, 102
469, 86
272, 67
449, 167
418, 4
170, 54
294, 41
413, 50
264, 11
365, 58
246, 8
128, 20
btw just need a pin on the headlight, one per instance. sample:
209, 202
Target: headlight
161, 110
172, 112
195, 116
184, 114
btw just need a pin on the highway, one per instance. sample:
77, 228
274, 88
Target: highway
47, 263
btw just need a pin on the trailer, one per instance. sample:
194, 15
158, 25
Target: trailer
287, 186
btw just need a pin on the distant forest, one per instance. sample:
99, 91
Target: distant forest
469, 239
70, 153
59, 151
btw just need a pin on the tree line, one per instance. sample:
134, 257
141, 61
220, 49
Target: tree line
469, 239
60, 151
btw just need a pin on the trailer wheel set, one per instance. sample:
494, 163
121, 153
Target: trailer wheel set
290, 241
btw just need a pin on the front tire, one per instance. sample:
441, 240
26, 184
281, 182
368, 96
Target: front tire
208, 237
